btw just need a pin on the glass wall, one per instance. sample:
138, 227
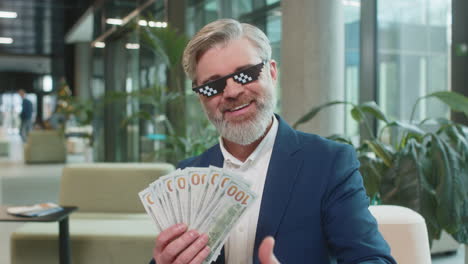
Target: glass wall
122, 65
352, 15
413, 55
413, 59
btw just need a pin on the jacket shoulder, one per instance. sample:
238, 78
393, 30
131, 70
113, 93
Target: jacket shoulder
316, 143
201, 160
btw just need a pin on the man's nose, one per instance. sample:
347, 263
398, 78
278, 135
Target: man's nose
232, 89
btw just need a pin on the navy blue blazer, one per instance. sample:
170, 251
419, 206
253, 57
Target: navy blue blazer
314, 203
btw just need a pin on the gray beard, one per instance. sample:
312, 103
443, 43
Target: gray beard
248, 131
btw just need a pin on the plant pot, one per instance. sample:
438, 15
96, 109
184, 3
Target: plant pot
445, 244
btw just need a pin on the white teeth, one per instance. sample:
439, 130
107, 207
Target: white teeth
239, 107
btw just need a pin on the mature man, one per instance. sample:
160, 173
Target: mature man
311, 197
25, 116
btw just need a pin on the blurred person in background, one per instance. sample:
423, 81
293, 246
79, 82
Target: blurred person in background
25, 116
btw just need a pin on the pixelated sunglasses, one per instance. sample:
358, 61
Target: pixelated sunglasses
217, 86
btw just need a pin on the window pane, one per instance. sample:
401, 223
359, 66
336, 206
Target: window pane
413, 55
351, 10
273, 31
241, 7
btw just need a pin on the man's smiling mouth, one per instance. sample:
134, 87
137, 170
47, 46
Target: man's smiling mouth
239, 107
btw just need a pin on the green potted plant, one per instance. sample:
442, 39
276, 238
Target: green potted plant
164, 104
406, 164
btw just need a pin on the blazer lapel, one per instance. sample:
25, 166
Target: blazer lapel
214, 157
281, 176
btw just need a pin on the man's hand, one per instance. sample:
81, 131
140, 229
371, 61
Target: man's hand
177, 245
265, 252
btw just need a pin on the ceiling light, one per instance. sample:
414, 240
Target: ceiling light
132, 46
114, 21
143, 23
157, 24
7, 14
6, 40
100, 45
47, 83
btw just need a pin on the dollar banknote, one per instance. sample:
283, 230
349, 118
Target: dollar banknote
209, 200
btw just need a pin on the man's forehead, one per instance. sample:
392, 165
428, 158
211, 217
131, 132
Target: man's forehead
225, 58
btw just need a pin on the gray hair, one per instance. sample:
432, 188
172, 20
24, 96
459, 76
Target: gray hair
221, 32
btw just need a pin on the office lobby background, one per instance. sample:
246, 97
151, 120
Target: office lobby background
89, 53
390, 53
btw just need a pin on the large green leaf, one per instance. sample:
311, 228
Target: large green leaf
370, 108
372, 170
404, 128
461, 235
429, 202
400, 185
382, 151
457, 102
314, 111
450, 197
457, 138
441, 121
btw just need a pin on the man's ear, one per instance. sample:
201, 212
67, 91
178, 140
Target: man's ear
273, 70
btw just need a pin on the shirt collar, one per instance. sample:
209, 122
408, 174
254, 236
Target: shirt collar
265, 145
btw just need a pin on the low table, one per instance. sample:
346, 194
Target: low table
60, 217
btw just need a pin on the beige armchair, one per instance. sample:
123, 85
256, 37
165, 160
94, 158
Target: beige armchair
110, 227
45, 146
405, 231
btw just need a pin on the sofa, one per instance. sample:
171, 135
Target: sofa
110, 226
45, 146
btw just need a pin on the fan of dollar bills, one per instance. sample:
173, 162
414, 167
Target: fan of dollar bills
209, 200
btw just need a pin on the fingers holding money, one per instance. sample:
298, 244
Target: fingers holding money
196, 252
166, 236
175, 245
208, 200
201, 256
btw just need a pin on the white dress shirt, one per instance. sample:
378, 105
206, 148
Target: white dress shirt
240, 245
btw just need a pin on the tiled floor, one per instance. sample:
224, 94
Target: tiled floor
16, 188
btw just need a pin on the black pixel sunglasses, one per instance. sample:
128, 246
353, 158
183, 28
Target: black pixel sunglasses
217, 86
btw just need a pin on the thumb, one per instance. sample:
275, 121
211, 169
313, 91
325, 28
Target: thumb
265, 251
